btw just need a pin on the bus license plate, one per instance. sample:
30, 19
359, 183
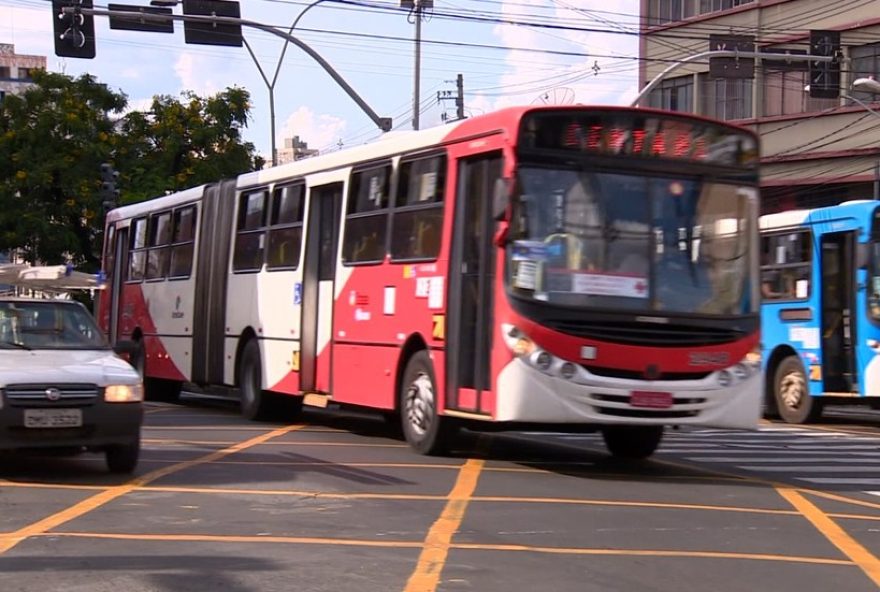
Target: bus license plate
52, 418
651, 399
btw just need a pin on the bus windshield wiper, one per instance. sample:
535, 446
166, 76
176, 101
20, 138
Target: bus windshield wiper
14, 344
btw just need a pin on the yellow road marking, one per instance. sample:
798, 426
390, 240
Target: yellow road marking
859, 555
653, 553
207, 538
436, 546
842, 498
10, 540
297, 443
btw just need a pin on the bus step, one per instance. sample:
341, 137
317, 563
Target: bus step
316, 399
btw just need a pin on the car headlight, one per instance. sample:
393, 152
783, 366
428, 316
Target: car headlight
124, 393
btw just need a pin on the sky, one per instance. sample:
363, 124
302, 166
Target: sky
585, 52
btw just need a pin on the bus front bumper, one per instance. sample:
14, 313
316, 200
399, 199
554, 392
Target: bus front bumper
524, 394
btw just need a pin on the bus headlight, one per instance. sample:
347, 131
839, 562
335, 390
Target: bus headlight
543, 361
124, 393
567, 371
725, 379
517, 341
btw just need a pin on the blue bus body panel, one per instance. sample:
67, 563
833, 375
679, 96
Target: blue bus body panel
801, 331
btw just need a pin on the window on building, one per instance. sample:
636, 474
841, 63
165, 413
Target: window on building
25, 73
285, 227
725, 98
366, 220
661, 12
785, 265
183, 242
707, 6
417, 221
865, 62
5, 72
674, 94
138, 250
250, 234
784, 94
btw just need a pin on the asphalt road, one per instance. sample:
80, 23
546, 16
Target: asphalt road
339, 503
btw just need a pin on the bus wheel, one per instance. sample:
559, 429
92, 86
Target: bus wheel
633, 442
793, 400
424, 429
254, 400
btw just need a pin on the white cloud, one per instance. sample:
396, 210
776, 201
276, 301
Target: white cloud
194, 73
536, 77
319, 131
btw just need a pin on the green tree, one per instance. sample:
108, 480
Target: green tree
181, 143
53, 138
55, 135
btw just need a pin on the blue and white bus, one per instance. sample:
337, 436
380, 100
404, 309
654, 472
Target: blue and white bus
820, 317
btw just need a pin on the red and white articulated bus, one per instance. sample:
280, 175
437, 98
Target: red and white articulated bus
561, 268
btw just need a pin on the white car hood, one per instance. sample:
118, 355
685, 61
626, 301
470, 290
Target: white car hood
100, 367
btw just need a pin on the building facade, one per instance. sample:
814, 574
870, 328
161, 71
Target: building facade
815, 151
15, 70
295, 149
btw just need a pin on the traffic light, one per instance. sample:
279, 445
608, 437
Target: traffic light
74, 31
109, 192
825, 76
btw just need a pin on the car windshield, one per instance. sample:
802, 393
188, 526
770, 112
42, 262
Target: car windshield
585, 238
48, 325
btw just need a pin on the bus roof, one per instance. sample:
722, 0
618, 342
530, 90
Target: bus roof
858, 208
158, 203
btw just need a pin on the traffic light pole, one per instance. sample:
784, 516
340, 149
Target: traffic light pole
724, 53
383, 123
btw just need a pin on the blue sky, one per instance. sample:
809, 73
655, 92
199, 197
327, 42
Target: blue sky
370, 44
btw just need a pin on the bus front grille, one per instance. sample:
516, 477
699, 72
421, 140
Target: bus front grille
645, 334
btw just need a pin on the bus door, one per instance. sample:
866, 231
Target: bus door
319, 270
837, 301
118, 275
471, 284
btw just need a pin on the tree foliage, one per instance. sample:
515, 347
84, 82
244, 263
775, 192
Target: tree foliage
55, 135
52, 139
181, 143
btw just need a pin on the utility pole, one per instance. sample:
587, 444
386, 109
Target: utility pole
416, 8
445, 95
459, 100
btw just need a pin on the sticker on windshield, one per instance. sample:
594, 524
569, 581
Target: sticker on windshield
526, 274
526, 250
601, 284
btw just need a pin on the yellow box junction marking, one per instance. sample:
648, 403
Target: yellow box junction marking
10, 540
436, 547
858, 554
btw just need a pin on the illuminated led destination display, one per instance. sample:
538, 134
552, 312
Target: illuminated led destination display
650, 135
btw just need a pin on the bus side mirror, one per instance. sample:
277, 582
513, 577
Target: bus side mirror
863, 255
500, 198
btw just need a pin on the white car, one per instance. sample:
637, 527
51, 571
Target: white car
63, 387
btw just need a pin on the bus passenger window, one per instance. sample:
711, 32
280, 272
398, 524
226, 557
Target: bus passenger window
285, 227
250, 231
366, 221
417, 219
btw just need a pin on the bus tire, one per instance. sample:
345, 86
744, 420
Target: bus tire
632, 442
792, 394
255, 402
425, 430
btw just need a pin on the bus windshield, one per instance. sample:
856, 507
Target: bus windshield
647, 242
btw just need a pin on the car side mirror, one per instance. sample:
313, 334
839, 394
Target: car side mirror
125, 349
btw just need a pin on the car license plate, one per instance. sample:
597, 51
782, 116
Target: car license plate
651, 399
52, 418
